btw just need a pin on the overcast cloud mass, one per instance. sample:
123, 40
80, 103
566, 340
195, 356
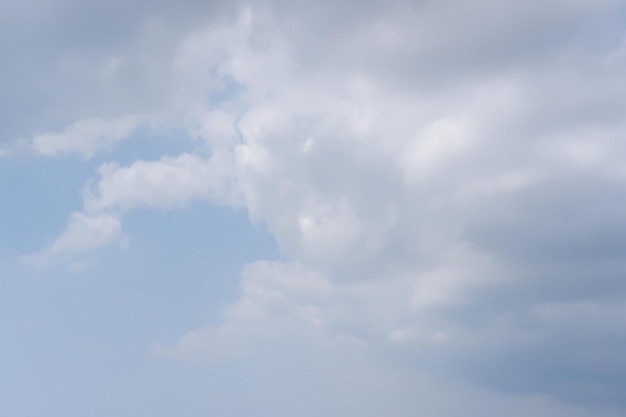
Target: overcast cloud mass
308, 209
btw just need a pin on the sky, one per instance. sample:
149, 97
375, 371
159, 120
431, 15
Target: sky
312, 208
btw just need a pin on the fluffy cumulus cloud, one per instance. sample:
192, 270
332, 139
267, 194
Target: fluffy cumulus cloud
445, 180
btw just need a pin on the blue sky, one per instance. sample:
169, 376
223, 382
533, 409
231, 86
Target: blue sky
312, 209
80, 341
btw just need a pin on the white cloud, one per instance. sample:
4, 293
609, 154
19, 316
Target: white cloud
166, 183
424, 207
163, 184
84, 233
85, 137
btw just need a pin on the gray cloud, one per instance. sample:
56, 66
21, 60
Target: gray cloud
70, 60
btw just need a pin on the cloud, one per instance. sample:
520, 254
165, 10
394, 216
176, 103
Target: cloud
439, 215
287, 325
75, 61
84, 137
445, 180
167, 183
83, 234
